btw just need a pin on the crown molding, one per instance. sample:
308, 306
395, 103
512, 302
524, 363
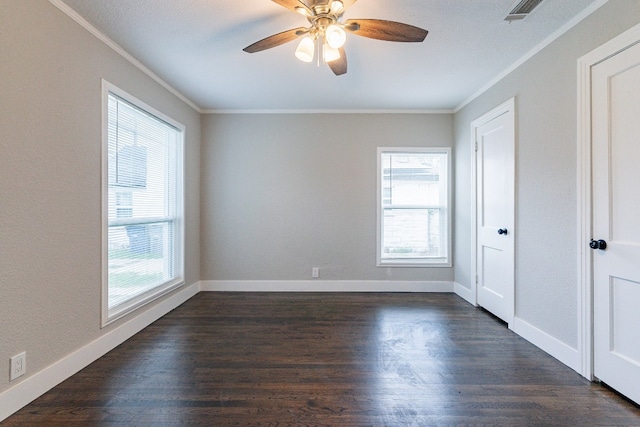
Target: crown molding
120, 51
326, 111
597, 4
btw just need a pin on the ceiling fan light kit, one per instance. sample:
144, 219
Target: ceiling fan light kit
306, 50
329, 32
330, 54
337, 6
335, 36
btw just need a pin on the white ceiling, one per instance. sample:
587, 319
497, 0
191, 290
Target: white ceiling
196, 47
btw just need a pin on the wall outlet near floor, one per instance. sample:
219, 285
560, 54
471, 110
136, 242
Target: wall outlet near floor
18, 366
315, 272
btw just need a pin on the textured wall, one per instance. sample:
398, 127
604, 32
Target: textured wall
545, 88
284, 193
50, 148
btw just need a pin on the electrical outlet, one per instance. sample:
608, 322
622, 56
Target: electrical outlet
315, 272
18, 366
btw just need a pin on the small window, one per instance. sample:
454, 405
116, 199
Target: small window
143, 204
413, 207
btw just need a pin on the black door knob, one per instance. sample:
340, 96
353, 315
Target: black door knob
503, 231
598, 244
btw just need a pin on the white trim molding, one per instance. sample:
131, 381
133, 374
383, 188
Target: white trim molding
547, 343
583, 176
327, 111
465, 293
325, 286
39, 383
507, 107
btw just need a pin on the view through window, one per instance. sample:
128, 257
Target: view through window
413, 204
144, 205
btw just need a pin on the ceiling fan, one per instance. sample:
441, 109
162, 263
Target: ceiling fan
327, 33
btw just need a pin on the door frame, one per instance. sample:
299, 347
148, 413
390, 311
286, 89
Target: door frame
620, 43
508, 107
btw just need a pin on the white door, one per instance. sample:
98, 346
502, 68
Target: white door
495, 263
616, 221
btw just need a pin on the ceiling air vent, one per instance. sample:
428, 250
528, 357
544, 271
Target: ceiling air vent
521, 9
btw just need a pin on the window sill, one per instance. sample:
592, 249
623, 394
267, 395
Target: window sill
133, 304
414, 263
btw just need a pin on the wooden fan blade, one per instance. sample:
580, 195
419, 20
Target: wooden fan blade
385, 30
276, 40
292, 4
339, 66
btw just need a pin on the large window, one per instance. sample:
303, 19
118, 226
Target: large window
413, 207
143, 204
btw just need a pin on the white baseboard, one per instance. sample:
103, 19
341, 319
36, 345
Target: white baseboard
556, 348
39, 383
464, 293
324, 286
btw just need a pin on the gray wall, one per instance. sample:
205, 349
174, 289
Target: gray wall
50, 213
284, 193
273, 195
545, 88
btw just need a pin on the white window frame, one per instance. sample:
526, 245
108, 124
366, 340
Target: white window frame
117, 312
443, 261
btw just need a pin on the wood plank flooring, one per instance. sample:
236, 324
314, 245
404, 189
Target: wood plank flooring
284, 359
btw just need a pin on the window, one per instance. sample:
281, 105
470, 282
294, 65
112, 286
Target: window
143, 204
413, 207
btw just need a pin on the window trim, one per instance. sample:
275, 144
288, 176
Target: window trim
444, 261
110, 315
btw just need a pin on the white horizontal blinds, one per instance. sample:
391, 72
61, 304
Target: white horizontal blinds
414, 199
142, 165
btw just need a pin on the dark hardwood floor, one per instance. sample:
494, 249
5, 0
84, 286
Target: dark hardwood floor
256, 359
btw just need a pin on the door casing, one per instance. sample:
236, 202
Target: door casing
508, 107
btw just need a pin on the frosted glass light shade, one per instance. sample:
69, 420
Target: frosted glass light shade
336, 36
330, 53
336, 6
305, 50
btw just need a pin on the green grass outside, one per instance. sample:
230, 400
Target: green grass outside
128, 280
126, 254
